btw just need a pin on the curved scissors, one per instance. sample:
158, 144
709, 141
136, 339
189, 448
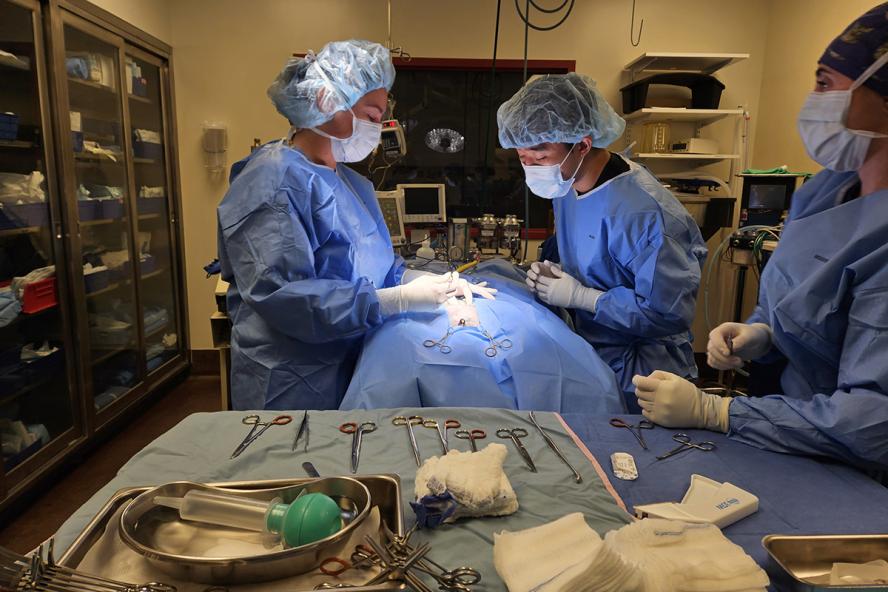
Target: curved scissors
433, 423
635, 430
471, 436
258, 429
687, 444
515, 434
357, 431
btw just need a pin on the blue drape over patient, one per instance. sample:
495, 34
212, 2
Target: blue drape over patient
548, 367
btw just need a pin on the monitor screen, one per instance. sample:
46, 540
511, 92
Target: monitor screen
419, 201
767, 197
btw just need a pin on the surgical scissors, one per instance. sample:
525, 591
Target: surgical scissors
433, 423
686, 444
471, 436
257, 431
450, 424
410, 422
357, 431
635, 430
515, 434
441, 344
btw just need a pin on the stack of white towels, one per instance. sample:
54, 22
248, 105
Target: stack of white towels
650, 555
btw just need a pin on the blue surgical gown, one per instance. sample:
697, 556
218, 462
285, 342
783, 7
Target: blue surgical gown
824, 293
304, 248
632, 238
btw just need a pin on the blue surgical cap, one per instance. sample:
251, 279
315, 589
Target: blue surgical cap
859, 46
558, 108
310, 90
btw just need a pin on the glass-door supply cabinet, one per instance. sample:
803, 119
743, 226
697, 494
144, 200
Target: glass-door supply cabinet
91, 289
39, 413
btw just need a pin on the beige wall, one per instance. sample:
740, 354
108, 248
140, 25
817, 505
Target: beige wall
225, 57
799, 31
152, 16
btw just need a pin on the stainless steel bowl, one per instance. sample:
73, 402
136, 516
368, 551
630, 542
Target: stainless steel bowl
190, 550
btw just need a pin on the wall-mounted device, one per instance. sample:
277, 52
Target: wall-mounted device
424, 203
215, 144
392, 139
766, 198
390, 202
695, 146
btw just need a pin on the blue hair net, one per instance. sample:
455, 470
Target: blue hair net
310, 90
558, 108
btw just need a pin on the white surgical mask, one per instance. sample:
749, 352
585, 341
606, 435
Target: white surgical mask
355, 148
822, 127
546, 180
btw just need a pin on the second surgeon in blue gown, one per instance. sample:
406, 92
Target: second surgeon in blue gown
302, 240
631, 255
823, 301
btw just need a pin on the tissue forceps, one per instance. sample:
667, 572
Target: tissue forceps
357, 431
687, 444
257, 430
471, 436
410, 422
635, 430
515, 434
433, 423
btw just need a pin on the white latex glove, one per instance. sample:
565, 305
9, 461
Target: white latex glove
480, 288
537, 269
673, 402
563, 290
425, 293
749, 342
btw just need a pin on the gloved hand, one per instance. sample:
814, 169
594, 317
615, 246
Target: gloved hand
561, 289
424, 293
467, 288
749, 342
673, 402
537, 269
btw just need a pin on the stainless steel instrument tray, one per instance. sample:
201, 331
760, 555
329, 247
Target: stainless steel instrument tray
808, 560
385, 492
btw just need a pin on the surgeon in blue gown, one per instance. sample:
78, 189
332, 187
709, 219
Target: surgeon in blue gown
823, 300
302, 240
630, 253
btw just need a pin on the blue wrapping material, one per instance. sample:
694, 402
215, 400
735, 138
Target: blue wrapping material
632, 239
548, 367
824, 293
304, 249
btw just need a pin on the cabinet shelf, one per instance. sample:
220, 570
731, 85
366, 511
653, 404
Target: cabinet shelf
699, 157
93, 85
12, 63
145, 161
157, 331
36, 384
102, 221
107, 289
153, 274
22, 230
669, 61
110, 353
701, 116
133, 97
17, 144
